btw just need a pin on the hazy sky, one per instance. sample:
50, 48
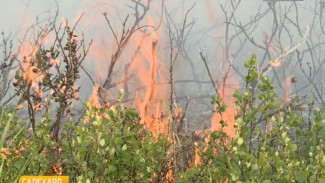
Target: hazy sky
209, 30
17, 14
208, 34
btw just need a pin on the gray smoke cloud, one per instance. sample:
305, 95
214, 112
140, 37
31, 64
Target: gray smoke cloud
227, 32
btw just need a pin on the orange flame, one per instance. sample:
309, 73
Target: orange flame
228, 116
150, 86
45, 38
276, 63
54, 62
30, 73
147, 100
200, 134
226, 93
94, 101
287, 89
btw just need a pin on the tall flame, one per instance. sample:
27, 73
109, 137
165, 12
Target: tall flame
147, 102
30, 73
287, 89
228, 116
94, 101
150, 86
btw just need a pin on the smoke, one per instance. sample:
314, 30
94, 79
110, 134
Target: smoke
226, 31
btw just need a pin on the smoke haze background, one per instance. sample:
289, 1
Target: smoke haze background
207, 35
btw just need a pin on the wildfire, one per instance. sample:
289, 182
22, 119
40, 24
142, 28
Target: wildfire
30, 73
94, 101
287, 89
226, 93
54, 62
150, 86
147, 100
276, 63
31, 76
228, 116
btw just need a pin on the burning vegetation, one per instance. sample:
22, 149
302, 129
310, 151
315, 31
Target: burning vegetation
131, 108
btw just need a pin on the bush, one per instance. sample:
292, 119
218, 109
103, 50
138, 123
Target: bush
273, 143
106, 145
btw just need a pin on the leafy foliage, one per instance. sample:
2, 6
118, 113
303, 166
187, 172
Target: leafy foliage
107, 145
51, 73
273, 143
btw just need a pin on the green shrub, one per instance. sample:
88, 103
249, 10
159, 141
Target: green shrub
272, 144
111, 146
106, 145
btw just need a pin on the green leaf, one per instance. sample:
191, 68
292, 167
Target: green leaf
292, 147
240, 141
102, 142
91, 174
112, 151
4, 133
247, 63
252, 61
125, 147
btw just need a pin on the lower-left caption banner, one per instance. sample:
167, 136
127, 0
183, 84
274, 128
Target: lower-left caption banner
44, 179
